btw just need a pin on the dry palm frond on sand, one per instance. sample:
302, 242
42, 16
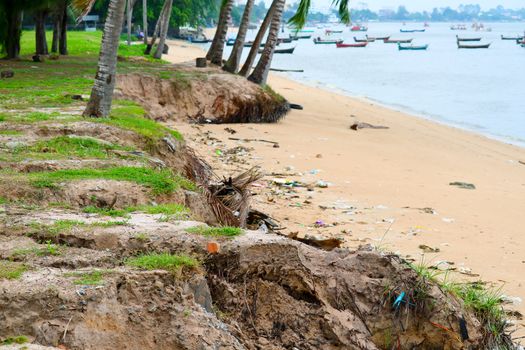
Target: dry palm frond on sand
229, 198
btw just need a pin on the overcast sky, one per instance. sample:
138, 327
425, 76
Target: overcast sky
419, 5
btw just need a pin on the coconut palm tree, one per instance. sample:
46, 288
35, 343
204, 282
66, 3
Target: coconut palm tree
99, 104
260, 73
217, 46
247, 67
233, 61
156, 31
164, 29
145, 20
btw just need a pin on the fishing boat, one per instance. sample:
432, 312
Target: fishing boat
199, 41
412, 47
412, 30
284, 40
325, 41
283, 51
458, 27
473, 46
397, 41
230, 42
372, 38
297, 37
304, 31
331, 31
250, 44
467, 39
341, 45
365, 40
517, 38
520, 42
358, 28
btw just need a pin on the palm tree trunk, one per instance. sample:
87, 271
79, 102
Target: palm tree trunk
157, 29
233, 61
99, 104
14, 31
260, 73
128, 17
40, 32
56, 33
145, 20
164, 30
247, 67
217, 46
62, 44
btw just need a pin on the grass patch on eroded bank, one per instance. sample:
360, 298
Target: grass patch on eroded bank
159, 181
11, 270
225, 231
162, 261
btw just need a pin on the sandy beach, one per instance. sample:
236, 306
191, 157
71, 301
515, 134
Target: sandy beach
386, 187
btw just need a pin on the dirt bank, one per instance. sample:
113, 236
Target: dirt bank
193, 95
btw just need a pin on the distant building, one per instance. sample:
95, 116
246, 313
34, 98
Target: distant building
90, 23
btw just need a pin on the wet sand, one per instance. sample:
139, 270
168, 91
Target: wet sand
386, 187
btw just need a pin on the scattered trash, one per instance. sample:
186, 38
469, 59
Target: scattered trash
321, 184
399, 300
314, 171
448, 220
465, 185
511, 300
463, 329
275, 144
467, 271
381, 206
296, 106
322, 243
230, 130
428, 210
319, 223
358, 125
218, 152
428, 249
319, 155
213, 247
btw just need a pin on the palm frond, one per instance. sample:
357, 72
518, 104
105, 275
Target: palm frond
81, 7
344, 11
298, 20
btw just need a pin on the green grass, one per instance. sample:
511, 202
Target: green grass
11, 270
10, 132
129, 115
91, 278
64, 147
53, 82
215, 231
159, 181
19, 339
49, 249
162, 261
177, 211
274, 94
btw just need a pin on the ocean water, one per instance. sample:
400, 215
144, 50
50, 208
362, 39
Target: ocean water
478, 90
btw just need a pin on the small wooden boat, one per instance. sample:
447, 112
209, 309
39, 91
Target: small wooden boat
520, 42
250, 44
366, 40
412, 30
324, 41
412, 47
199, 41
467, 39
343, 45
296, 37
230, 42
398, 41
517, 38
331, 31
371, 38
473, 46
284, 40
283, 51
357, 28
